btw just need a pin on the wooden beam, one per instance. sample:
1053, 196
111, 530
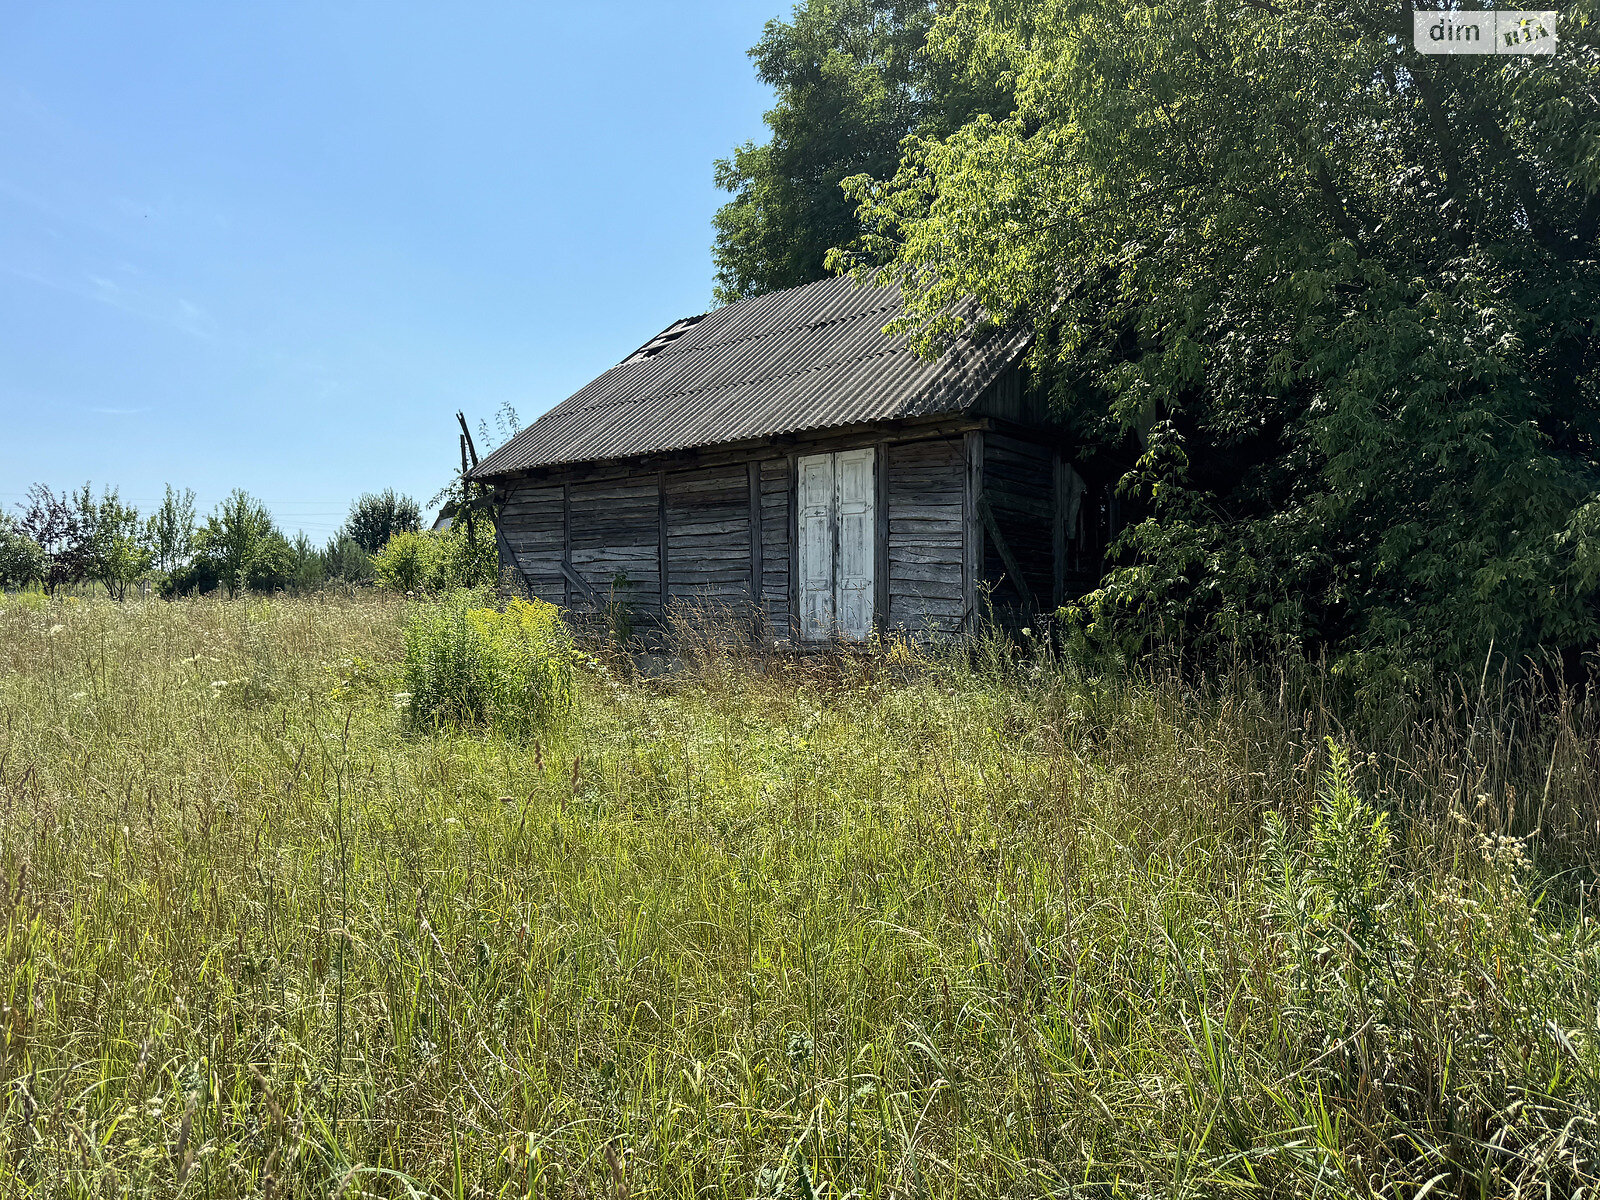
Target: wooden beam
661, 536
753, 471
986, 514
971, 526
574, 580
466, 435
508, 555
566, 543
880, 538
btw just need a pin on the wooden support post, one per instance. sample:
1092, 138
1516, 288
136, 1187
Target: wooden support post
880, 539
566, 544
661, 546
971, 526
753, 468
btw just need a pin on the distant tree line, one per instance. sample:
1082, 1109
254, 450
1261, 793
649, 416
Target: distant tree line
76, 538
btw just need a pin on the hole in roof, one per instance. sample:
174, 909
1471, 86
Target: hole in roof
664, 339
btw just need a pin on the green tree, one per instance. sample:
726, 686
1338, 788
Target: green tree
170, 530
852, 79
117, 552
345, 561
308, 569
377, 516
1342, 301
22, 561
54, 523
239, 547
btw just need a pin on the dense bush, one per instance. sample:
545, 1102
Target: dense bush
478, 666
437, 562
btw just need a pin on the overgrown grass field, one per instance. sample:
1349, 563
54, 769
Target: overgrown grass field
906, 926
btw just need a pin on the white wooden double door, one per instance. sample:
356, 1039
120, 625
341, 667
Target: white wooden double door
837, 520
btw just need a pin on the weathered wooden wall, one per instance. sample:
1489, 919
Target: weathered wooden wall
725, 528
926, 486
615, 543
776, 484
533, 522
708, 535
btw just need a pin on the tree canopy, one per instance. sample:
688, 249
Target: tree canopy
375, 517
1337, 303
852, 78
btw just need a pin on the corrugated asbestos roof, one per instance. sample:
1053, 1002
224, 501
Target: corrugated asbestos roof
811, 357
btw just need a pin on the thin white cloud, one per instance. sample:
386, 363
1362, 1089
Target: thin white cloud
173, 312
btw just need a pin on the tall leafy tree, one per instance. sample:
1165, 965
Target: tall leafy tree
376, 517
170, 530
1341, 299
852, 79
239, 547
54, 523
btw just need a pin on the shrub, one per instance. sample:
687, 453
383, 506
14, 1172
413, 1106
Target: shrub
438, 562
480, 666
408, 562
468, 556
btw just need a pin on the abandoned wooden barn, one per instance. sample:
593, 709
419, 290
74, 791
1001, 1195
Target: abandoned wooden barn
786, 457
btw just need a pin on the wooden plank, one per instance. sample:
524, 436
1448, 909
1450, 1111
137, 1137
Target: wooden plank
930, 556
937, 572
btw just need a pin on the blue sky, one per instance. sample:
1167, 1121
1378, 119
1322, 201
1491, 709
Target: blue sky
276, 246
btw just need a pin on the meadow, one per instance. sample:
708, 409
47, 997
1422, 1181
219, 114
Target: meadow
914, 924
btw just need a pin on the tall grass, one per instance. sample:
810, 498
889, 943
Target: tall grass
883, 927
